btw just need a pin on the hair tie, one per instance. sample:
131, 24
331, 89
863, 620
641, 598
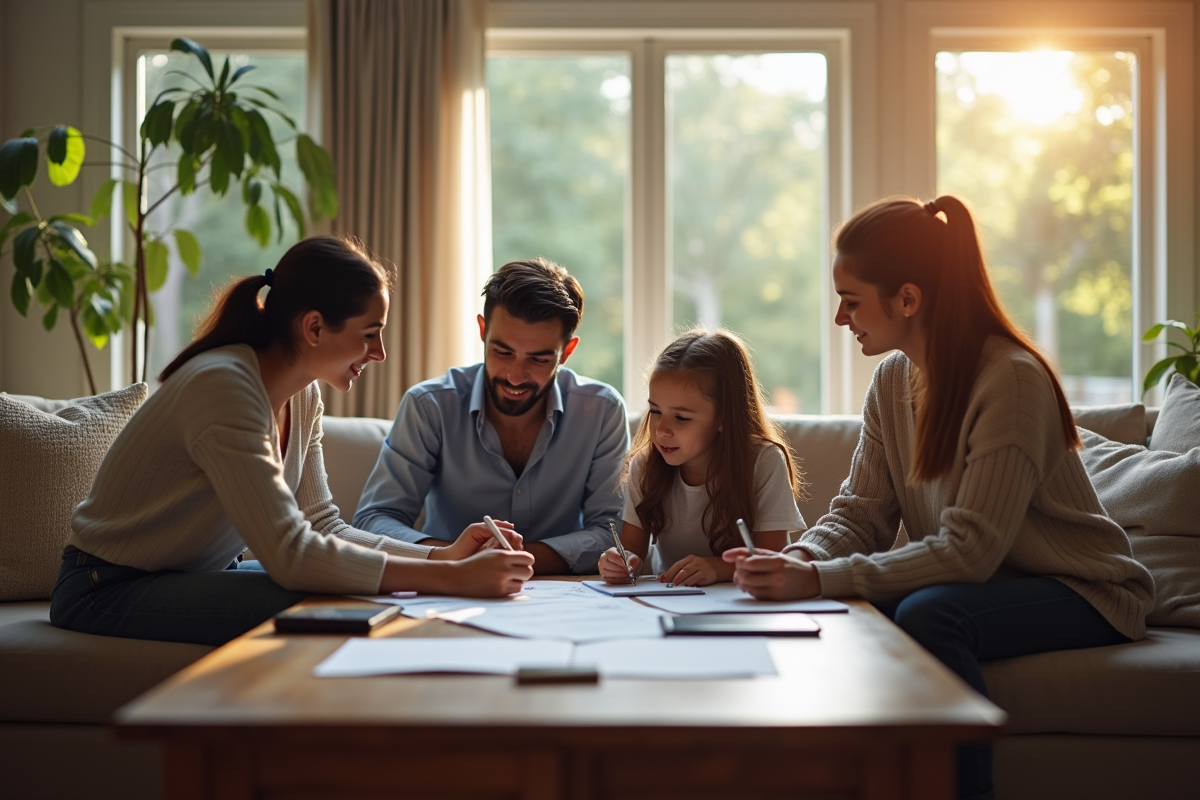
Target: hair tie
269, 275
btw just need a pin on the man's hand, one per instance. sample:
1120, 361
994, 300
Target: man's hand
490, 573
612, 568
473, 539
773, 576
696, 571
547, 561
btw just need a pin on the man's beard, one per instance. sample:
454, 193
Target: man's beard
515, 408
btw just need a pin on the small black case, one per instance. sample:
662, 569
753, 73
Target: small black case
786, 624
332, 619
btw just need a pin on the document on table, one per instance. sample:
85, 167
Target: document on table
646, 586
531, 590
723, 598
709, 658
568, 619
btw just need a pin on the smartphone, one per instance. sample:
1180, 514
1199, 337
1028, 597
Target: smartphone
333, 619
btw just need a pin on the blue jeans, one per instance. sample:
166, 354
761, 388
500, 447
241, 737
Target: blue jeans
965, 623
95, 596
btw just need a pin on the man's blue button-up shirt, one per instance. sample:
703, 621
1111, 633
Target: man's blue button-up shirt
444, 455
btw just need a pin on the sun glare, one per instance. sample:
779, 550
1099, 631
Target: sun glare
1037, 86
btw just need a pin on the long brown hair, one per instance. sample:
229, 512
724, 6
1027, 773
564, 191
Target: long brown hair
935, 246
335, 275
719, 364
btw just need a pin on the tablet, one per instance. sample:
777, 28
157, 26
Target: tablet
333, 619
740, 625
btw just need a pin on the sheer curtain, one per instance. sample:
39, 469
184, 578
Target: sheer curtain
397, 94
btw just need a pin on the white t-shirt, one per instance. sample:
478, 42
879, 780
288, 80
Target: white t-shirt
684, 536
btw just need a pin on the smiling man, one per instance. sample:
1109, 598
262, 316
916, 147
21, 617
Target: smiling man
519, 437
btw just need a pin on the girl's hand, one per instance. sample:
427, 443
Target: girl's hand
693, 571
612, 568
476, 537
490, 573
773, 576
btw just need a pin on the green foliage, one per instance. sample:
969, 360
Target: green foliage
215, 134
1186, 362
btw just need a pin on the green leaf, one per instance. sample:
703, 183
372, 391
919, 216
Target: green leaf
241, 71
49, 318
251, 190
266, 91
278, 217
1156, 373
218, 174
189, 250
184, 45
156, 127
78, 219
258, 224
18, 165
102, 200
156, 265
262, 143
9, 205
59, 284
64, 155
34, 274
318, 171
229, 145
1186, 365
21, 218
95, 323
73, 239
25, 248
293, 204
132, 201
187, 174
242, 122
183, 123
221, 84
21, 293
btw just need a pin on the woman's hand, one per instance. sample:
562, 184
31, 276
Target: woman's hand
773, 576
696, 571
612, 568
476, 537
490, 573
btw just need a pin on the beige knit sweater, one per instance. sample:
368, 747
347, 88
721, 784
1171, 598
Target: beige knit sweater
1018, 502
197, 475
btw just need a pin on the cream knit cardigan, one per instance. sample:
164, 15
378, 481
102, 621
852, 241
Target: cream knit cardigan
1017, 501
197, 475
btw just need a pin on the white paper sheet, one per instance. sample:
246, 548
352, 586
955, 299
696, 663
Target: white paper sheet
645, 586
702, 657
493, 656
723, 598
568, 619
430, 605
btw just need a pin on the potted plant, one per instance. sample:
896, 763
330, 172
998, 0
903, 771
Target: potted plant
223, 140
1186, 362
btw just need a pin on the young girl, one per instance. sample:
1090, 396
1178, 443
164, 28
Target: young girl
227, 453
967, 438
705, 456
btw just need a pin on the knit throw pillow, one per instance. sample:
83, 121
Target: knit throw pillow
1178, 427
1155, 496
49, 458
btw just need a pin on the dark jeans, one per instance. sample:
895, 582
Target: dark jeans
94, 596
965, 623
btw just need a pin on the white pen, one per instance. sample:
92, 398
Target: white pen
491, 523
621, 550
741, 524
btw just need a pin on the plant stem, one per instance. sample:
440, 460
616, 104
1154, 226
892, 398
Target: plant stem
102, 140
87, 366
32, 205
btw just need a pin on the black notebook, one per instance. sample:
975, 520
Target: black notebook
740, 625
332, 619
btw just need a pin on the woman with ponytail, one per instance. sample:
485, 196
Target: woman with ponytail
969, 442
227, 454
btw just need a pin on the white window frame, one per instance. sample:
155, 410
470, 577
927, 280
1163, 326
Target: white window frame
113, 34
647, 33
1164, 282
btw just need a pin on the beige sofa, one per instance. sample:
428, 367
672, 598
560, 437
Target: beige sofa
1114, 722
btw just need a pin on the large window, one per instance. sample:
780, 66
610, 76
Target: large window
683, 183
1042, 145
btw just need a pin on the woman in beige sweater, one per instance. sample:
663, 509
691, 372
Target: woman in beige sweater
968, 440
227, 454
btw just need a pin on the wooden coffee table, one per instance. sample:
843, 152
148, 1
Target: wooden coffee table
861, 712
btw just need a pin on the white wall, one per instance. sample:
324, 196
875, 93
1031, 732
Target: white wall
40, 83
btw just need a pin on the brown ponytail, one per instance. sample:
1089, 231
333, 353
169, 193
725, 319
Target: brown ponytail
936, 246
335, 275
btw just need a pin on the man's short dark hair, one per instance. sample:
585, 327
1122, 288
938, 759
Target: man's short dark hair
535, 291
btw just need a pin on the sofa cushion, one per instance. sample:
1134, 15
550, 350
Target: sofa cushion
1150, 687
1120, 423
351, 448
50, 459
51, 675
1177, 429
